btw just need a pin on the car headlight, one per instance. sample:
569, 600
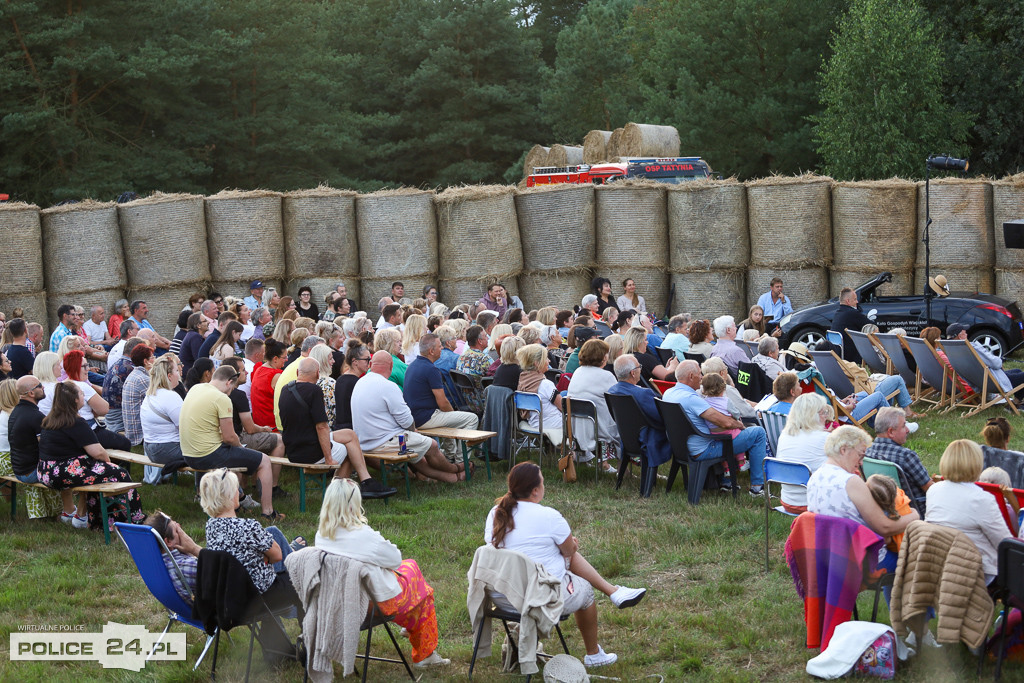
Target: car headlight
785, 320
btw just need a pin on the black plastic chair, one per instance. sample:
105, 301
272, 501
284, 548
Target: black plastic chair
492, 611
584, 410
630, 419
665, 355
699, 357
1010, 589
695, 472
752, 382
469, 390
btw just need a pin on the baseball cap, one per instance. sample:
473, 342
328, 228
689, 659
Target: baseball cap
586, 334
954, 330
255, 284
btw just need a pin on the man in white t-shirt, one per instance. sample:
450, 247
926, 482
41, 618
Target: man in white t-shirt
96, 327
129, 329
254, 352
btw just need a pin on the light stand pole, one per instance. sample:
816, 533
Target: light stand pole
941, 163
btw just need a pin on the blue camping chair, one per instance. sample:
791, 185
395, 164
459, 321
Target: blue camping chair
527, 437
780, 472
837, 339
146, 548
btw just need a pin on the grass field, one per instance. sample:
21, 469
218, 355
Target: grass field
712, 612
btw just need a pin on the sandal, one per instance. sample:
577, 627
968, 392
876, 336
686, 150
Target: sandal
298, 543
274, 516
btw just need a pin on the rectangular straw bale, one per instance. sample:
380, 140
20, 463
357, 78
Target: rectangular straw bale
803, 286
648, 140
556, 226
34, 304
21, 259
165, 303
961, 231
979, 279
561, 289
709, 294
563, 155
82, 247
707, 225
1007, 205
902, 283
595, 146
245, 235
536, 157
1010, 283
397, 233
478, 234
790, 221
632, 225
874, 226
373, 290
320, 232
164, 238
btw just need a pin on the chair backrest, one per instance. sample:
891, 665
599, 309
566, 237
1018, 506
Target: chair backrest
553, 375
752, 382
785, 472
827, 363
967, 364
1010, 562
871, 466
773, 424
146, 548
749, 347
665, 355
894, 350
678, 428
868, 352
526, 401
581, 407
835, 337
996, 492
1011, 461
629, 419
662, 385
932, 369
699, 357
465, 384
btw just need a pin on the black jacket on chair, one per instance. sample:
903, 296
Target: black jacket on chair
224, 591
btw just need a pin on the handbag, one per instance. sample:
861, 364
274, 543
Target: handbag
567, 463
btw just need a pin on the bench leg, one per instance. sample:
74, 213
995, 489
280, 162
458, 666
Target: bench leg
408, 488
302, 490
14, 500
465, 461
103, 519
486, 450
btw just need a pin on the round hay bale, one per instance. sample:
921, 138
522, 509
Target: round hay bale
245, 235
646, 140
165, 304
34, 304
537, 156
595, 146
969, 280
561, 155
320, 233
902, 283
82, 247
710, 293
397, 232
1007, 205
556, 226
611, 148
651, 283
790, 221
373, 290
631, 225
240, 288
321, 286
455, 292
707, 226
165, 240
478, 234
961, 232
561, 289
803, 286
1009, 284
874, 226
21, 259
103, 297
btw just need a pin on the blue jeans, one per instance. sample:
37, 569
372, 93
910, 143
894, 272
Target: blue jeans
753, 441
895, 383
95, 378
865, 404
282, 541
30, 478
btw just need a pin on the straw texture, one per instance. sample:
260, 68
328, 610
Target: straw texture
164, 238
651, 283
321, 286
611, 150
790, 221
1007, 205
320, 233
397, 232
803, 286
34, 304
478, 234
961, 232
562, 155
1009, 283
164, 304
245, 235
902, 281
103, 297
21, 259
707, 226
874, 226
981, 279
537, 156
455, 292
646, 140
240, 288
556, 227
632, 225
595, 146
709, 294
373, 290
563, 290
82, 247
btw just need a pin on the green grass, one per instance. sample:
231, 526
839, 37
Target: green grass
712, 612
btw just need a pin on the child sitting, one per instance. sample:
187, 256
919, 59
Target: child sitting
1001, 478
893, 502
712, 386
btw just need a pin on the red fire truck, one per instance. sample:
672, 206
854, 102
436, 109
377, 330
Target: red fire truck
668, 170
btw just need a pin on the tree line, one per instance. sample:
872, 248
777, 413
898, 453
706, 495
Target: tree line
104, 97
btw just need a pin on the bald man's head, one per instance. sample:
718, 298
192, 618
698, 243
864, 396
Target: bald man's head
308, 370
29, 388
149, 335
381, 363
688, 372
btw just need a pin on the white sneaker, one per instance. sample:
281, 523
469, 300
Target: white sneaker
433, 660
602, 658
912, 427
248, 503
80, 522
68, 519
928, 639
627, 597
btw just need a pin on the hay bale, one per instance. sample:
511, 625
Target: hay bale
710, 293
902, 283
21, 259
803, 286
320, 233
478, 235
82, 247
240, 288
1009, 284
651, 283
556, 227
961, 232
34, 304
164, 238
790, 221
561, 155
245, 235
561, 289
631, 225
537, 156
611, 148
874, 226
455, 292
165, 303
374, 289
647, 140
971, 280
1007, 205
321, 286
397, 232
707, 226
595, 146
103, 297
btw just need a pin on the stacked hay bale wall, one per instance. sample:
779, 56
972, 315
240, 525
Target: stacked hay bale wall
1008, 205
397, 233
961, 234
562, 155
321, 247
166, 254
556, 226
537, 156
632, 239
874, 229
595, 146
83, 261
709, 247
646, 140
21, 262
478, 238
245, 234
790, 236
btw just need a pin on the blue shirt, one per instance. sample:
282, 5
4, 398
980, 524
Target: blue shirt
694, 405
421, 378
251, 302
679, 343
143, 324
780, 407
445, 364
775, 310
58, 336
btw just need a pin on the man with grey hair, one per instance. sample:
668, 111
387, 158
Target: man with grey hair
726, 348
96, 327
676, 338
487, 320
767, 357
209, 310
423, 391
657, 449
591, 305
291, 373
891, 434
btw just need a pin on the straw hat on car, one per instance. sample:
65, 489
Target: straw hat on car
939, 285
798, 351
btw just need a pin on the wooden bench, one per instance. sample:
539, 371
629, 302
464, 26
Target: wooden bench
113, 488
390, 457
139, 459
320, 473
471, 439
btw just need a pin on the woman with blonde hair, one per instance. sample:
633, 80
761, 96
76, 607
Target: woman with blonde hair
390, 340
415, 328
39, 502
546, 315
460, 325
324, 356
507, 373
635, 342
160, 410
533, 360
803, 441
299, 335
499, 331
754, 321
343, 530
616, 347
283, 331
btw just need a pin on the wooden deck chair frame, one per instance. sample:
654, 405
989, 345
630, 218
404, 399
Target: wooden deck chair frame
839, 407
989, 384
827, 363
872, 355
925, 355
897, 363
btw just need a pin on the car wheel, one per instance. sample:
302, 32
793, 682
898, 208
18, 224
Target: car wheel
809, 336
991, 341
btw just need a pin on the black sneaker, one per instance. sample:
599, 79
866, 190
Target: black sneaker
371, 488
279, 492
756, 491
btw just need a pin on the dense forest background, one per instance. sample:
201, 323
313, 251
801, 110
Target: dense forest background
99, 97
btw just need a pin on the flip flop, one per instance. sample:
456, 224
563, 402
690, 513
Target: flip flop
298, 543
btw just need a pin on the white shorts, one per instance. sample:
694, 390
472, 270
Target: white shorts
338, 453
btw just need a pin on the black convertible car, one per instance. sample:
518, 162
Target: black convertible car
994, 322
